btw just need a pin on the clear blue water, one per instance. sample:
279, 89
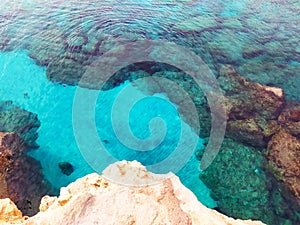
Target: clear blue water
259, 38
25, 83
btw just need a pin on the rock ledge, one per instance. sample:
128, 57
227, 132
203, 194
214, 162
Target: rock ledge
94, 199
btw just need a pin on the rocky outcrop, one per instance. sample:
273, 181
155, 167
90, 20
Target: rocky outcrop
94, 199
21, 176
9, 213
22, 122
284, 161
251, 108
290, 118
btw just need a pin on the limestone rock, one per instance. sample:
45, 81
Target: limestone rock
94, 199
9, 213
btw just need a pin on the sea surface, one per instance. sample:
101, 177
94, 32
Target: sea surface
259, 38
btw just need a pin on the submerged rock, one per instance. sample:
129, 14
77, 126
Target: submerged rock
94, 199
47, 46
24, 123
197, 23
243, 189
66, 168
21, 176
65, 71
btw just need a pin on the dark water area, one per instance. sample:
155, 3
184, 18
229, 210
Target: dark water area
47, 49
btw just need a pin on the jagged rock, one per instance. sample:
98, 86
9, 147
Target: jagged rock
9, 213
284, 156
24, 123
96, 200
290, 118
258, 99
251, 108
21, 176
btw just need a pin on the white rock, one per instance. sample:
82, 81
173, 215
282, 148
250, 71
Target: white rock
94, 199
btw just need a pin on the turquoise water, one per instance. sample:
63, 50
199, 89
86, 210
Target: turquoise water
25, 83
46, 47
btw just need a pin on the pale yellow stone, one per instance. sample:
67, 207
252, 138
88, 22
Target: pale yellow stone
155, 199
9, 213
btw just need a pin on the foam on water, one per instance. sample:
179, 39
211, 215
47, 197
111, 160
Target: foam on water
25, 83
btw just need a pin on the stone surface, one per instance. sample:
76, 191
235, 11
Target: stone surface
284, 157
251, 107
9, 213
24, 123
290, 118
95, 200
242, 188
21, 176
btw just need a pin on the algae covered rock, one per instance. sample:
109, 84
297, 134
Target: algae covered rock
238, 182
242, 188
24, 123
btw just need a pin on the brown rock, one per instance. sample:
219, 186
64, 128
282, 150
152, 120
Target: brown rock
290, 118
250, 108
21, 176
284, 156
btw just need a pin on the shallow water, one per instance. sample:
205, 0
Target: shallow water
40, 39
56, 139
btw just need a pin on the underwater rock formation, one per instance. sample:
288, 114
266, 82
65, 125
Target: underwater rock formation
94, 199
24, 123
21, 176
251, 108
243, 189
66, 168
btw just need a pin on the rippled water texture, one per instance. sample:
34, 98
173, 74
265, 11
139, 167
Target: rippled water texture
47, 46
243, 33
